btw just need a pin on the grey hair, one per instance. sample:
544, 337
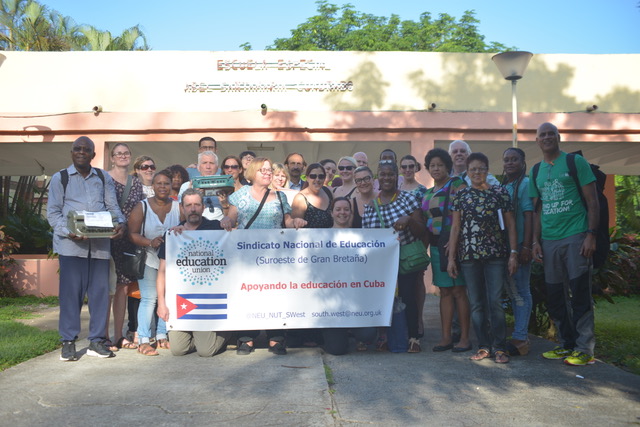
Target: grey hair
466, 146
210, 154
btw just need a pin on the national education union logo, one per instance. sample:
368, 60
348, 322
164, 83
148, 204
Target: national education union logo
200, 262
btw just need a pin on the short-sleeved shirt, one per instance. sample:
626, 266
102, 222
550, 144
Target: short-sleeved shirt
522, 204
433, 205
405, 204
480, 234
269, 217
563, 213
206, 224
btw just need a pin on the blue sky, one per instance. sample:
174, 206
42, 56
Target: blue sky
543, 26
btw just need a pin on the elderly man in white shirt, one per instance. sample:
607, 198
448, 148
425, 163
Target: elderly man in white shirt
208, 166
459, 150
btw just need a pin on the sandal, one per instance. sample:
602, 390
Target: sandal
111, 346
483, 353
381, 343
414, 346
147, 350
125, 343
163, 343
501, 357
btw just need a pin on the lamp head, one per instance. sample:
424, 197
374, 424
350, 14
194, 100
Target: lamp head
512, 65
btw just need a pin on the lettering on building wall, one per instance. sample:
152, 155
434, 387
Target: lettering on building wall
328, 86
281, 65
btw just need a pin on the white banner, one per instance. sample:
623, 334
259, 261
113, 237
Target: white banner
280, 279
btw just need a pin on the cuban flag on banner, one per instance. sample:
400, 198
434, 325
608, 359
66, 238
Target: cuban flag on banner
201, 306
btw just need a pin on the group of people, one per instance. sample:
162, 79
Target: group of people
482, 235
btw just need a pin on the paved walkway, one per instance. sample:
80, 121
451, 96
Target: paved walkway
366, 389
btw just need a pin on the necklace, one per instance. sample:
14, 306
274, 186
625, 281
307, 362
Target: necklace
395, 194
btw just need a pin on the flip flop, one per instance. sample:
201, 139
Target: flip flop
125, 343
483, 353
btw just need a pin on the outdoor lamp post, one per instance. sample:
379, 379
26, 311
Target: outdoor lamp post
512, 66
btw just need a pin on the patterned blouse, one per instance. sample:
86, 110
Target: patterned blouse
433, 205
269, 217
318, 218
405, 204
480, 233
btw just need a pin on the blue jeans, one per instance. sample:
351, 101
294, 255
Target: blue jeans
519, 290
485, 282
148, 299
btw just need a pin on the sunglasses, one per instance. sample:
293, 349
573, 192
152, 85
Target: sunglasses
349, 168
320, 176
231, 167
412, 166
145, 167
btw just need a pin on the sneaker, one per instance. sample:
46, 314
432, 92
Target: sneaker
98, 349
244, 349
68, 351
278, 348
557, 353
579, 358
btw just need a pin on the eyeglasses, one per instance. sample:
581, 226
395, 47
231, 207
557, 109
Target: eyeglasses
349, 168
363, 180
122, 154
411, 166
82, 149
478, 170
145, 167
231, 167
386, 162
317, 176
266, 171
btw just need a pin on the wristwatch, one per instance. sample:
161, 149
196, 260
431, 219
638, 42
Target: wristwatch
592, 231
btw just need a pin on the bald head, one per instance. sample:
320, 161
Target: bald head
547, 127
83, 150
548, 139
84, 141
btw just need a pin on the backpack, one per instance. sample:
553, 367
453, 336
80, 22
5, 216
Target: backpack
603, 243
64, 179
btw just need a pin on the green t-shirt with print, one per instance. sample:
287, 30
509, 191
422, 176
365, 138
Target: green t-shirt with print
563, 213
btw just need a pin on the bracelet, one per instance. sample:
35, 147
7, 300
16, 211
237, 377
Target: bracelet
513, 251
533, 244
524, 247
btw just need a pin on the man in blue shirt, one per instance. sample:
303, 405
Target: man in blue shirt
84, 262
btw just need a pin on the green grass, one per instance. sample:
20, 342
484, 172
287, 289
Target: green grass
18, 342
618, 332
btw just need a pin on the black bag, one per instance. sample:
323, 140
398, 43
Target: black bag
134, 263
603, 241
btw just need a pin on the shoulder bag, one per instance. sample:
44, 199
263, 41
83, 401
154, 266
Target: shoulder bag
134, 263
413, 256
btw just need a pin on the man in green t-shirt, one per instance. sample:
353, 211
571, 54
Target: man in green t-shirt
564, 232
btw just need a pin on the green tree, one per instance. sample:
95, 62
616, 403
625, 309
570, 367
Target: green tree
628, 203
343, 28
27, 25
